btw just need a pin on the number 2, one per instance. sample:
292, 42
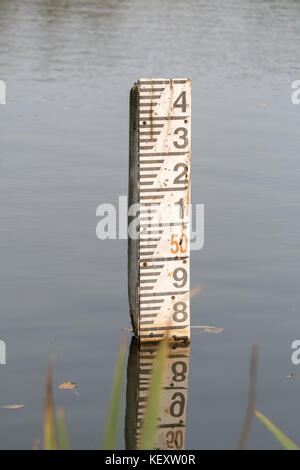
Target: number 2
182, 177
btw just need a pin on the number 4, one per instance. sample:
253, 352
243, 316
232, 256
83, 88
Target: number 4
181, 102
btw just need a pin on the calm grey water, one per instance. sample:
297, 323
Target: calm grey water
68, 67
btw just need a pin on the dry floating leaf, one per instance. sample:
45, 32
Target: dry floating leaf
11, 407
67, 386
207, 329
213, 330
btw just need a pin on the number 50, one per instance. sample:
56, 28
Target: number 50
180, 245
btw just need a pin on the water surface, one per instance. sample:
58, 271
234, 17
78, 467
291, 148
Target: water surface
68, 67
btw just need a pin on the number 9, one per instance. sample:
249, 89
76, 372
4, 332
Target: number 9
180, 275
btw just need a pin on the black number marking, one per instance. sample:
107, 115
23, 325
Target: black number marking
180, 203
180, 278
179, 375
179, 179
179, 404
183, 136
180, 313
181, 102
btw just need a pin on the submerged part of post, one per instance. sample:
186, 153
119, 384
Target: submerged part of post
171, 421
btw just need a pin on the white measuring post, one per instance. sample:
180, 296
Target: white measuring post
160, 185
171, 423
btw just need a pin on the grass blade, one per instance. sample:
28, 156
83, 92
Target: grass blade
111, 431
50, 441
251, 398
285, 441
63, 440
153, 403
36, 444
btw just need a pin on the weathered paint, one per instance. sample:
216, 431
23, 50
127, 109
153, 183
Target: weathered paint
160, 177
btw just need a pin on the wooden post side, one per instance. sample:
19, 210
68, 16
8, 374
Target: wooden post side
133, 198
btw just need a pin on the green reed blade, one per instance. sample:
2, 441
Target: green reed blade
63, 440
285, 441
50, 441
111, 430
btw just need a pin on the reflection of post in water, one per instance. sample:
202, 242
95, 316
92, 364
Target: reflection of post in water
172, 415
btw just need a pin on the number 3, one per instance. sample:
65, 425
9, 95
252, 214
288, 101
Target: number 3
183, 136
